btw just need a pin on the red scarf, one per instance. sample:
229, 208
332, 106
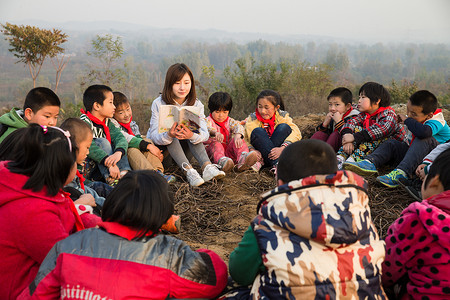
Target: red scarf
270, 123
81, 178
368, 121
78, 223
223, 129
127, 126
98, 122
121, 230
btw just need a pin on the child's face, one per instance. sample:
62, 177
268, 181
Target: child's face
220, 115
46, 116
83, 149
416, 112
266, 109
182, 88
335, 104
364, 104
123, 113
107, 109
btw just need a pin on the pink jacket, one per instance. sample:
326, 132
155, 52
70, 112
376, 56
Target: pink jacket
418, 245
31, 223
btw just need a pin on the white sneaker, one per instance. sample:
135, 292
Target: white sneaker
211, 171
193, 177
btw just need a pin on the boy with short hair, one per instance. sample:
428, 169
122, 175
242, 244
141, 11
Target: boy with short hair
428, 128
41, 106
417, 257
313, 237
339, 110
109, 147
142, 154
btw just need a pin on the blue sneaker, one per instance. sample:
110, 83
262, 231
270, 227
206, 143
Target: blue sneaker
168, 178
392, 179
364, 167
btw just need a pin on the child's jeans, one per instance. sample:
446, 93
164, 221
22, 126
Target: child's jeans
178, 148
106, 146
398, 153
261, 141
143, 160
217, 150
334, 139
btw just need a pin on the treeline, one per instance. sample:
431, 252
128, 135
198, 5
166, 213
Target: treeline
302, 73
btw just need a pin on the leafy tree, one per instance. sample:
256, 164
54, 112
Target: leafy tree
107, 49
400, 93
32, 45
59, 62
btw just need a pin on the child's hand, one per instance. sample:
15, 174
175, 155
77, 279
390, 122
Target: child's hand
401, 118
348, 148
155, 151
337, 117
275, 152
114, 172
173, 130
348, 138
219, 137
238, 141
420, 171
86, 199
327, 120
113, 159
183, 132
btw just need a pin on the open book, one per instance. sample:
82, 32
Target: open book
186, 115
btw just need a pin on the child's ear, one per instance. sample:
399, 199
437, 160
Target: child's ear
277, 107
96, 106
28, 114
429, 116
280, 182
348, 106
378, 102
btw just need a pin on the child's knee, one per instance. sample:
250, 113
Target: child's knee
104, 144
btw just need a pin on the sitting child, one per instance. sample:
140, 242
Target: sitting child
270, 129
142, 154
226, 146
41, 107
340, 109
313, 237
127, 257
428, 129
418, 242
35, 213
376, 122
109, 147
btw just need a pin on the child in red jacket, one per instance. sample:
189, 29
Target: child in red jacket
418, 243
35, 213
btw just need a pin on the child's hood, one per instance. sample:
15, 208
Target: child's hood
14, 118
11, 188
329, 209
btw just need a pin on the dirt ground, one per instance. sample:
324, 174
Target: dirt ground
215, 215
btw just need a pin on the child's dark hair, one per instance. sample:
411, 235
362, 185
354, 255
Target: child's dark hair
424, 99
120, 99
175, 73
375, 91
220, 101
272, 96
78, 129
441, 167
95, 93
344, 93
306, 158
39, 97
140, 201
45, 155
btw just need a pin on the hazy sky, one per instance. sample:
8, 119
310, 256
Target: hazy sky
381, 20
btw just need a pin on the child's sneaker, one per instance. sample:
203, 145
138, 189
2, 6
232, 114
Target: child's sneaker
364, 167
413, 187
226, 163
211, 171
391, 179
168, 178
111, 181
173, 225
256, 166
246, 161
192, 176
